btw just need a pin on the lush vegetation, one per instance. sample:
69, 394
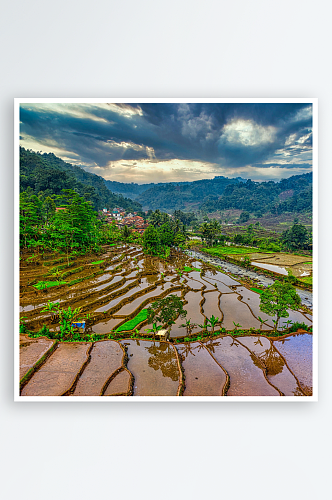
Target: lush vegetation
176, 196
289, 195
220, 251
74, 229
163, 233
46, 175
277, 298
165, 311
296, 238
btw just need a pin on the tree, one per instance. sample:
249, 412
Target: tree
151, 241
296, 237
213, 321
244, 217
166, 235
277, 298
166, 310
210, 230
189, 326
125, 232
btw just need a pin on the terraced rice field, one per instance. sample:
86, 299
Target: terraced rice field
224, 366
114, 288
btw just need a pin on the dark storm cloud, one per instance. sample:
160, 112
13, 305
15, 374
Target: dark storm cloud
230, 135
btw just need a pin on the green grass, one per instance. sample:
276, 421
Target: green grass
306, 279
256, 290
47, 284
225, 250
187, 269
97, 262
132, 323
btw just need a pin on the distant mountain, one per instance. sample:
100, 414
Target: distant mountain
185, 197
49, 174
133, 190
289, 195
174, 195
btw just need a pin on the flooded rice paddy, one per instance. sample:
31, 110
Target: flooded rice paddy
222, 366
116, 290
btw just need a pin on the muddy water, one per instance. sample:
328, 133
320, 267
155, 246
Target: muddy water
106, 358
58, 374
244, 370
277, 372
297, 350
195, 275
113, 302
31, 350
32, 307
236, 311
306, 296
154, 367
219, 286
106, 326
270, 267
203, 376
209, 287
116, 279
129, 308
194, 284
193, 309
210, 306
253, 300
216, 276
119, 385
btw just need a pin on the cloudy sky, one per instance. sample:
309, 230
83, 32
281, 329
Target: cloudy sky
173, 142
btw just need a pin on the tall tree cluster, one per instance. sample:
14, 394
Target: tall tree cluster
163, 232
75, 226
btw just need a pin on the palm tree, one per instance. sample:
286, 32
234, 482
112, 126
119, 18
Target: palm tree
288, 322
262, 322
154, 329
213, 321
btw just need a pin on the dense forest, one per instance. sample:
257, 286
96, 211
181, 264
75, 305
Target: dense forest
289, 195
177, 196
46, 175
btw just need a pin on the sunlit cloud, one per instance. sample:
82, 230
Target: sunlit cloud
247, 133
146, 170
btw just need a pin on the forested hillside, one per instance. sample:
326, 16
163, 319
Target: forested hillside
133, 190
221, 193
49, 174
177, 196
289, 195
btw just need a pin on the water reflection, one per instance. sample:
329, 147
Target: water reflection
162, 358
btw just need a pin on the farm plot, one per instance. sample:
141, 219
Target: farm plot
113, 291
